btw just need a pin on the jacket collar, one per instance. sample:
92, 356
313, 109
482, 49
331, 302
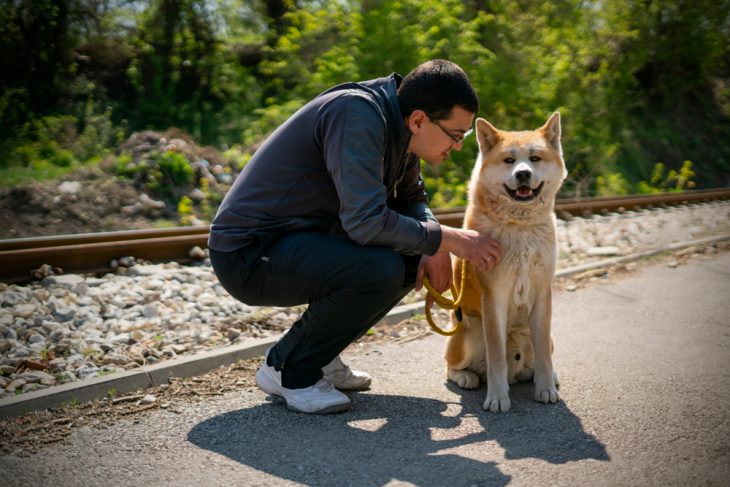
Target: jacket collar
386, 89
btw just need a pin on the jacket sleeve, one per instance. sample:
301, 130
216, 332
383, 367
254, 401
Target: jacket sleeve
352, 132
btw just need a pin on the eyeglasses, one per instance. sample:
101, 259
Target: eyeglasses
456, 139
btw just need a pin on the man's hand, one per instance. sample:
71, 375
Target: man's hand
481, 250
437, 268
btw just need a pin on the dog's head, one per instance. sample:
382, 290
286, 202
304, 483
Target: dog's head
518, 170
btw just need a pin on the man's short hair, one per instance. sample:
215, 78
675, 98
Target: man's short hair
436, 87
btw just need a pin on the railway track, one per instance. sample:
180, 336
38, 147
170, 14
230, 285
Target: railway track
94, 253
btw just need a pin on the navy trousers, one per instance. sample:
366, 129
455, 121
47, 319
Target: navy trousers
348, 287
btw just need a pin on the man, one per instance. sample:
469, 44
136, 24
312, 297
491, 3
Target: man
331, 211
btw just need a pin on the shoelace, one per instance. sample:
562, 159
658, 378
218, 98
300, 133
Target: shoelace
324, 385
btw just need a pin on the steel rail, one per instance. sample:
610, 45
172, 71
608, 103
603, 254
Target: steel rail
569, 207
93, 252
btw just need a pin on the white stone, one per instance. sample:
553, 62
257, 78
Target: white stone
67, 281
148, 399
87, 370
37, 376
115, 359
57, 364
150, 311
24, 310
15, 384
69, 187
36, 339
10, 298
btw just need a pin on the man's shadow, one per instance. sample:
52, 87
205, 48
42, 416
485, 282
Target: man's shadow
383, 438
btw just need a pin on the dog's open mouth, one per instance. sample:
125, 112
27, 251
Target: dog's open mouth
524, 193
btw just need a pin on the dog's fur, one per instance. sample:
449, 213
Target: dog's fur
507, 311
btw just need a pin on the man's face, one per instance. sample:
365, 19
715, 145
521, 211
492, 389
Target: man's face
433, 139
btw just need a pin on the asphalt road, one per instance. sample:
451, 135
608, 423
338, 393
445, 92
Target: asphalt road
645, 388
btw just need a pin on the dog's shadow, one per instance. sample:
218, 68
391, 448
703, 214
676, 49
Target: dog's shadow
386, 438
550, 432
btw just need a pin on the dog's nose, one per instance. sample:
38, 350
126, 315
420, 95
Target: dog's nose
523, 177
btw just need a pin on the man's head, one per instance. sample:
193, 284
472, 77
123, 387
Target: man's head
436, 87
438, 104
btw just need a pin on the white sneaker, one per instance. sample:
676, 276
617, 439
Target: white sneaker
321, 398
344, 378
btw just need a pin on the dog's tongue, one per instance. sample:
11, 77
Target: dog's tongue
524, 191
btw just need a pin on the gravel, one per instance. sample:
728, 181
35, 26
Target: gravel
72, 327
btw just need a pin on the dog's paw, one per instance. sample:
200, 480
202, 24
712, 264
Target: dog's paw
497, 403
547, 395
466, 379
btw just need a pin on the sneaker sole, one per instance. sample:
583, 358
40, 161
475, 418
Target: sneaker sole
364, 386
335, 408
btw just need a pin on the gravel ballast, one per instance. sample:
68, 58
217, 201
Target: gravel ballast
71, 327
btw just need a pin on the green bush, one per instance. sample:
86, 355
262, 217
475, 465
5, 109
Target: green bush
612, 184
167, 174
51, 146
173, 169
671, 181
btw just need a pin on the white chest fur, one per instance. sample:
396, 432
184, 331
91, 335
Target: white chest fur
529, 255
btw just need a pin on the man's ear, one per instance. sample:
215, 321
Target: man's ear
415, 121
487, 135
551, 130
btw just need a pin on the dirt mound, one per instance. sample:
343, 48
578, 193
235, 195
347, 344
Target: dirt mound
140, 144
82, 202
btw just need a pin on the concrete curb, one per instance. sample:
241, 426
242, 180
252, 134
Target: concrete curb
132, 380
186, 366
639, 255
157, 374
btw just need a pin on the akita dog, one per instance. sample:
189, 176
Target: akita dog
507, 310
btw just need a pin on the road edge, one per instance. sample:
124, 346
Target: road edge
190, 365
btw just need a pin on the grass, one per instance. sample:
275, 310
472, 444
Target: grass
38, 171
164, 223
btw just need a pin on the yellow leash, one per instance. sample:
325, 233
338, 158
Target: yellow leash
447, 303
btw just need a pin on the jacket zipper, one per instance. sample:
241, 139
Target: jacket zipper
399, 178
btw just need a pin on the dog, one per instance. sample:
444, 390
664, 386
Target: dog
506, 337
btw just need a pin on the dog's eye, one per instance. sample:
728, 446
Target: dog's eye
509, 160
518, 357
534, 159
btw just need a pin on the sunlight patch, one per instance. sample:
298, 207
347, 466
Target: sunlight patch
371, 425
452, 410
467, 426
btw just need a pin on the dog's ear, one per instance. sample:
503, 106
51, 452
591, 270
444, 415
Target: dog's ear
551, 130
487, 135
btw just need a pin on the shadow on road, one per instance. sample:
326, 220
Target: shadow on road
550, 432
387, 438
383, 438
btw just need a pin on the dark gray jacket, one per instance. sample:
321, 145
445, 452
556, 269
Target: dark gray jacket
338, 165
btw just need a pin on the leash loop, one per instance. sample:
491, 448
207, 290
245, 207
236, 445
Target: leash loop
447, 303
